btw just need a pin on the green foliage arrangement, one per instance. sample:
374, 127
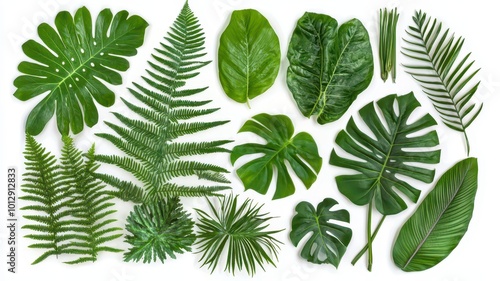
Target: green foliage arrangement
249, 56
300, 151
154, 157
440, 221
443, 74
157, 229
329, 65
71, 207
329, 240
393, 151
71, 64
239, 230
387, 43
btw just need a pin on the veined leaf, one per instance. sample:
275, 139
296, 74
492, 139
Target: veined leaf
329, 241
443, 74
300, 151
392, 152
71, 64
329, 65
249, 56
441, 220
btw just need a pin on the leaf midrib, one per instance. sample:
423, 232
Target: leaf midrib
431, 229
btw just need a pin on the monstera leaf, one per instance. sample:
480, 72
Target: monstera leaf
300, 152
393, 152
329, 65
72, 64
329, 241
249, 56
441, 220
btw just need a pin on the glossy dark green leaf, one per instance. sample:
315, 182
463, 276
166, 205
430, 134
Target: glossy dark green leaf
71, 65
299, 151
397, 146
329, 65
249, 56
441, 220
328, 241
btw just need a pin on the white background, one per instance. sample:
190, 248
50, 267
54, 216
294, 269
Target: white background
475, 258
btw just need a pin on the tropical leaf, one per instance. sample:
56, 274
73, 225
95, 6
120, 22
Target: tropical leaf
329, 65
443, 73
158, 229
394, 151
72, 64
300, 151
441, 220
240, 231
249, 56
164, 113
328, 241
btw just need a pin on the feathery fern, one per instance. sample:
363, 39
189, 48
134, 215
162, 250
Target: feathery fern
154, 157
443, 77
72, 209
158, 228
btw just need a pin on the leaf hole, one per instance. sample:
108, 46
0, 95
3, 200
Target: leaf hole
57, 69
95, 43
84, 70
63, 63
82, 50
102, 54
77, 79
71, 86
72, 59
92, 64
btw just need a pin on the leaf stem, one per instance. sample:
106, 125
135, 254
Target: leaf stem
467, 142
365, 248
369, 236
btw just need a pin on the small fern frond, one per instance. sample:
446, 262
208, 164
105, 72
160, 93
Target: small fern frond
163, 111
157, 229
444, 75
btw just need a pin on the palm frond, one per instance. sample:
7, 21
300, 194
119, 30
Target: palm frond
157, 229
445, 76
239, 230
163, 112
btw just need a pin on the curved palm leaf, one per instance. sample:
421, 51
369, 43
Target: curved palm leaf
443, 76
300, 151
389, 154
329, 241
441, 220
71, 65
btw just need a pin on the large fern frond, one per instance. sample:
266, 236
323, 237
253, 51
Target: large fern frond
91, 207
444, 75
163, 111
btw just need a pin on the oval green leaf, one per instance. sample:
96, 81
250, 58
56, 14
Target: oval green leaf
249, 56
395, 149
328, 241
300, 151
71, 64
329, 66
441, 220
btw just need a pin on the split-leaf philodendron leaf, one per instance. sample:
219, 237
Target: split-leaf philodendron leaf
391, 153
249, 56
71, 64
329, 65
441, 220
300, 151
328, 241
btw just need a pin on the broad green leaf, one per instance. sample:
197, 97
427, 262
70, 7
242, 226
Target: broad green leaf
299, 151
249, 56
397, 146
328, 241
71, 65
441, 220
329, 65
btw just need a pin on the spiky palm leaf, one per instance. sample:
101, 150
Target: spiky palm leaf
154, 157
239, 229
157, 229
91, 206
443, 75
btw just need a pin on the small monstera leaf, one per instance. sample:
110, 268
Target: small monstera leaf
72, 64
329, 241
394, 151
329, 65
249, 56
300, 151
